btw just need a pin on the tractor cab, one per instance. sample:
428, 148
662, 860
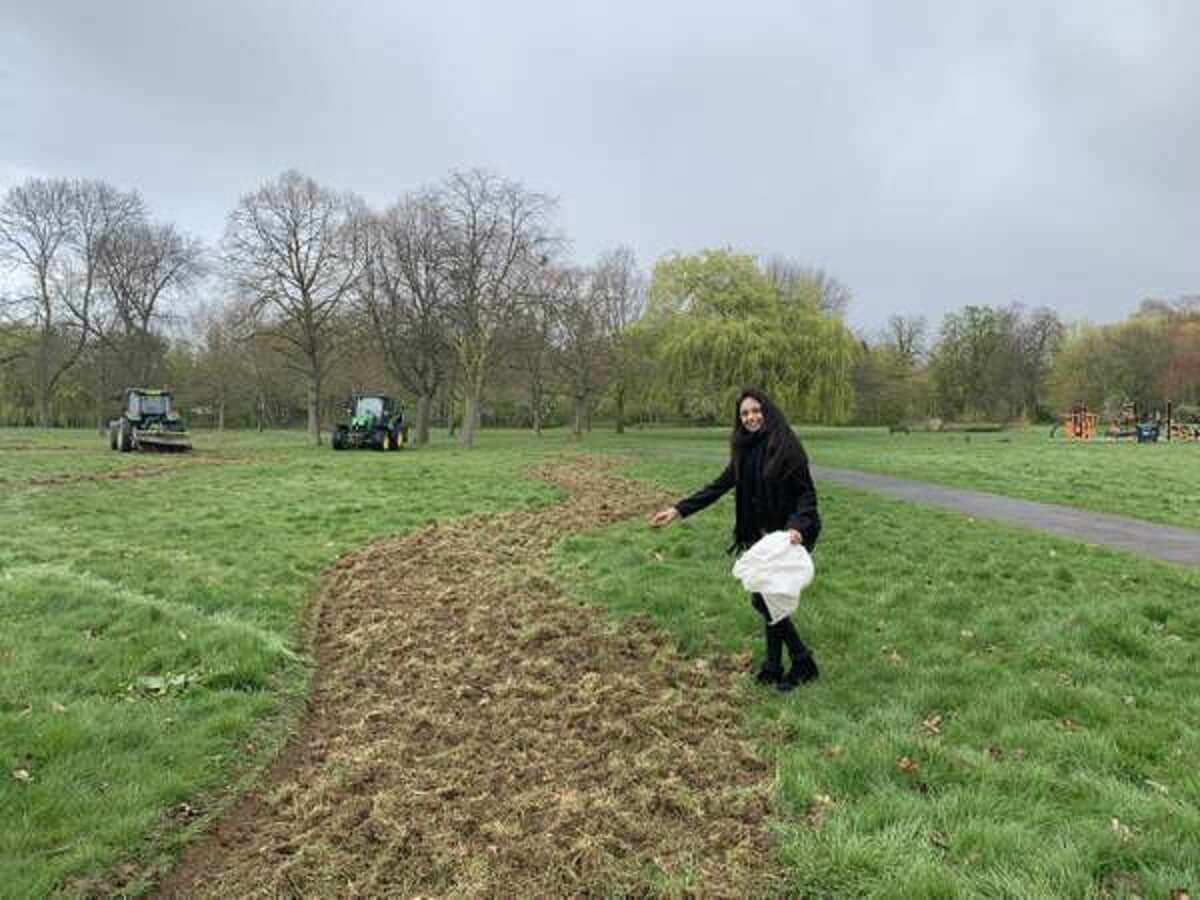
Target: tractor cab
151, 404
367, 409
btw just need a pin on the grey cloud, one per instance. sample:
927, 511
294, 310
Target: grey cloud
927, 154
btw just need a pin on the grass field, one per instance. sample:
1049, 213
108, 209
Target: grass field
1000, 713
1157, 482
152, 646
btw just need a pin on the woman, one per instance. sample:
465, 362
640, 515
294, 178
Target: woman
774, 491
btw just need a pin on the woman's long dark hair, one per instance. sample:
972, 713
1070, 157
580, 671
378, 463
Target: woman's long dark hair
783, 451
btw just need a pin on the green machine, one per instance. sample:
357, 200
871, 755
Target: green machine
376, 422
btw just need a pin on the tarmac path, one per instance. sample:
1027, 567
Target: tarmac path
1165, 542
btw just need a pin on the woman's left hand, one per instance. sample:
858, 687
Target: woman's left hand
795, 537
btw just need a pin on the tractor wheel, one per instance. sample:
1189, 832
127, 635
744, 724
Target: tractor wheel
381, 438
124, 436
112, 438
395, 439
338, 440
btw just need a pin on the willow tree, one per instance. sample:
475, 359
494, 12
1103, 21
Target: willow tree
723, 324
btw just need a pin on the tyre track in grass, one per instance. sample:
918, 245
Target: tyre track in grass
473, 732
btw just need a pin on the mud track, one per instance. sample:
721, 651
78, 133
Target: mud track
473, 732
122, 474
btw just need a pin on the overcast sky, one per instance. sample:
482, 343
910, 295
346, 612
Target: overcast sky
926, 154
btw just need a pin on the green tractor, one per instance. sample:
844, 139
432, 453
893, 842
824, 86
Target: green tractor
148, 423
376, 422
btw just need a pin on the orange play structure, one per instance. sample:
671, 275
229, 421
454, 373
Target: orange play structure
1080, 425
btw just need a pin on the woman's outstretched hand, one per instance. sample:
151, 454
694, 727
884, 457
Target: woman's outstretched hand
664, 517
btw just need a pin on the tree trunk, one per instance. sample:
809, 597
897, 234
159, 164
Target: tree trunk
577, 419
620, 398
42, 376
423, 403
314, 410
470, 418
101, 422
535, 403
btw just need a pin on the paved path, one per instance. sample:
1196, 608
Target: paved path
1166, 542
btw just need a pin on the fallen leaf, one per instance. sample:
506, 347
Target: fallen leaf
967, 634
1123, 832
907, 765
1161, 788
818, 809
1068, 725
996, 752
891, 654
22, 775
938, 839
933, 724
1129, 700
58, 707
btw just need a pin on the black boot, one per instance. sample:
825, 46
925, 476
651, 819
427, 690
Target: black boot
772, 667
767, 676
803, 670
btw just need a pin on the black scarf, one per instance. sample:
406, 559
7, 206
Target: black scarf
750, 493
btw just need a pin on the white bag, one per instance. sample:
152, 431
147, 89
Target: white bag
777, 569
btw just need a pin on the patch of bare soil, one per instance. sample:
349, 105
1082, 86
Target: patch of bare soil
473, 732
133, 471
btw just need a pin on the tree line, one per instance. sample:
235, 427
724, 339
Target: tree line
461, 297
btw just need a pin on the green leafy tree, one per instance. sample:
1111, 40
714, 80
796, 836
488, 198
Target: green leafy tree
723, 323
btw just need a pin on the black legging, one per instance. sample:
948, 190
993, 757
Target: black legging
782, 632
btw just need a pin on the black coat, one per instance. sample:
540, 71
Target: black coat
778, 504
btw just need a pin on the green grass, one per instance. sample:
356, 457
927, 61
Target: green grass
153, 644
1065, 679
1157, 482
153, 648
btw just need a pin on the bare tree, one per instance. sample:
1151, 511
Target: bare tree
583, 342
143, 265
497, 236
223, 366
404, 292
906, 335
796, 281
50, 234
529, 341
620, 289
297, 249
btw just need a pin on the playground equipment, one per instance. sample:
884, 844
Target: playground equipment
1080, 425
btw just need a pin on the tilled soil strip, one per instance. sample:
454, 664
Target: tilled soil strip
473, 732
134, 471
